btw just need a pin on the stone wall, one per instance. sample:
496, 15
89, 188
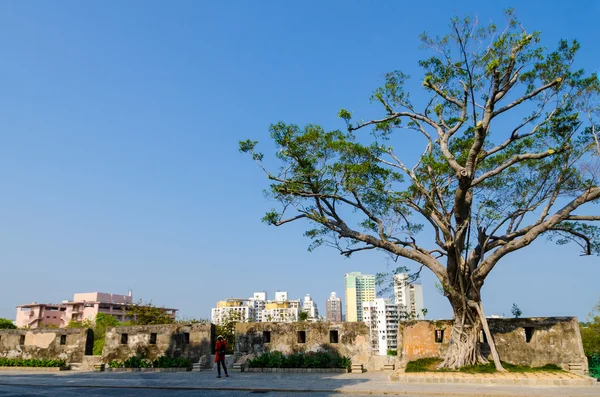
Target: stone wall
525, 341
151, 341
256, 338
44, 344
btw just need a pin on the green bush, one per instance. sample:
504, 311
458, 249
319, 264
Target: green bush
277, 359
161, 362
32, 362
391, 352
168, 362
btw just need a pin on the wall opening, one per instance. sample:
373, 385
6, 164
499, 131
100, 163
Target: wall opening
439, 335
22, 340
186, 338
301, 336
153, 338
63, 339
124, 338
266, 336
333, 336
482, 337
89, 342
529, 333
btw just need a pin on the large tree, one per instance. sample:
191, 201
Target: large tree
509, 155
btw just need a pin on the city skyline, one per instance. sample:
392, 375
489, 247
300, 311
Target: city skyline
120, 164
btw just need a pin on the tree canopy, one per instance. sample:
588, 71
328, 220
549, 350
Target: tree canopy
6, 324
510, 154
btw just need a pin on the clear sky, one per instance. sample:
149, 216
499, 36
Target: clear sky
119, 124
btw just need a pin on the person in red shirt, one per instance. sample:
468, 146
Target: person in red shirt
220, 348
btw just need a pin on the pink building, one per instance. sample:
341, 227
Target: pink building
84, 306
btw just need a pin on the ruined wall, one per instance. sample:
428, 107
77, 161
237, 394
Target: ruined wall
553, 340
44, 344
192, 341
525, 341
416, 339
352, 339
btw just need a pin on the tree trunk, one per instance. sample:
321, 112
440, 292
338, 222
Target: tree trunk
464, 348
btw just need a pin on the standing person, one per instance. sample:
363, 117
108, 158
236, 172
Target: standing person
220, 348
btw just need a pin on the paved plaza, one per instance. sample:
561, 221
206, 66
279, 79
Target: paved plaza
238, 384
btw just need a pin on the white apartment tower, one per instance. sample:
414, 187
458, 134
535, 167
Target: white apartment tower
309, 306
381, 316
258, 302
408, 297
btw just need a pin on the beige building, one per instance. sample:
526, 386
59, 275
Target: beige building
359, 288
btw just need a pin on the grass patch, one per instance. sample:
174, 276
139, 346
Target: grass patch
431, 364
423, 365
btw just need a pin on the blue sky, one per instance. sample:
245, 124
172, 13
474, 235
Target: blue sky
119, 124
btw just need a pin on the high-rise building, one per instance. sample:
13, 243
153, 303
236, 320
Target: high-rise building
409, 297
359, 288
381, 316
258, 302
333, 308
309, 306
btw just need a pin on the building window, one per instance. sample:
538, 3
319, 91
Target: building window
301, 336
123, 339
528, 334
333, 336
266, 336
439, 335
153, 338
22, 340
63, 339
186, 338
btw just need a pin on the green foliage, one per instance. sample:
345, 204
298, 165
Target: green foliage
143, 313
277, 359
169, 362
302, 316
86, 323
516, 311
102, 322
31, 362
391, 352
227, 330
160, 362
7, 324
590, 333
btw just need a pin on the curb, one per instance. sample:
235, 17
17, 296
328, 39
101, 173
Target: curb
475, 393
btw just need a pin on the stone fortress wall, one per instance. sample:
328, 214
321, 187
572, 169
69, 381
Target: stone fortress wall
526, 341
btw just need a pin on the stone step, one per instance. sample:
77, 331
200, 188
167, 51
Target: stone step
389, 367
196, 367
237, 367
357, 369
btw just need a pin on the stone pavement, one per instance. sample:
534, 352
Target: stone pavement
366, 383
508, 378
